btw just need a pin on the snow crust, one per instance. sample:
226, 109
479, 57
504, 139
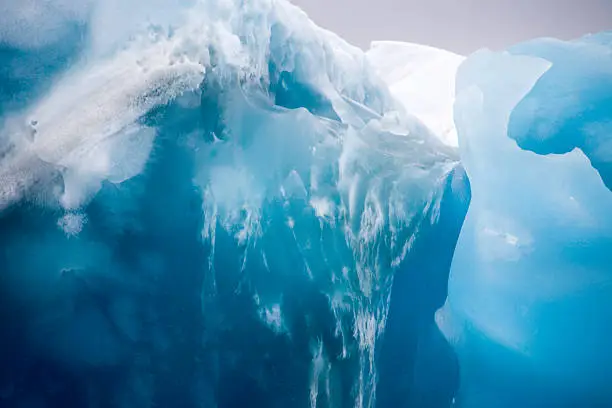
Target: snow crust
422, 78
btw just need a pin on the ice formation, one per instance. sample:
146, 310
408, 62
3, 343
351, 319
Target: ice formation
530, 287
214, 199
216, 203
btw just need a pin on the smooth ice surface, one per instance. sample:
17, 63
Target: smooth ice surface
529, 306
200, 198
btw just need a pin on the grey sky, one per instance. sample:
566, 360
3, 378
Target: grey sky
459, 25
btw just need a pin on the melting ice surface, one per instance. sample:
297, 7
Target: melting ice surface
215, 203
203, 209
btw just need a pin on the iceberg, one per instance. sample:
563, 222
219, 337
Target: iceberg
205, 208
219, 204
529, 294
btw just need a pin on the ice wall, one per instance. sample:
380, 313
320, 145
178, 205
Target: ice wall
529, 307
200, 199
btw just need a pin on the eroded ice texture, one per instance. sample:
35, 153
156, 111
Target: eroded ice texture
530, 294
202, 206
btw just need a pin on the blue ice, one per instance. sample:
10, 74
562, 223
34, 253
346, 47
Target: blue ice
529, 294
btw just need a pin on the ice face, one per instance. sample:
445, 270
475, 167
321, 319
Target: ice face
217, 200
529, 293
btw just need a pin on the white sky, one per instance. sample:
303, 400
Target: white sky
459, 25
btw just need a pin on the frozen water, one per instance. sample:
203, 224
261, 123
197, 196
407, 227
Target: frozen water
529, 295
218, 197
216, 203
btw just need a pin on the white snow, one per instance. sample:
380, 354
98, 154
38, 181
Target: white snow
422, 79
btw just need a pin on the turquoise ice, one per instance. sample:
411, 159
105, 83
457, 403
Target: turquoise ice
531, 281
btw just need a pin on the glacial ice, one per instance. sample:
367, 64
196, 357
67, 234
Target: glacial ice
216, 203
529, 294
216, 199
